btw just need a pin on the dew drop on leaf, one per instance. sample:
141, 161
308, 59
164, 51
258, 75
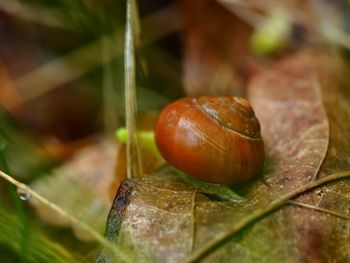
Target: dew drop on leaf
23, 194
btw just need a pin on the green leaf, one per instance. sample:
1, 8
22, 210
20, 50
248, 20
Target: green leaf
39, 247
221, 191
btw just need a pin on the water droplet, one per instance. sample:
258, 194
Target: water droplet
23, 194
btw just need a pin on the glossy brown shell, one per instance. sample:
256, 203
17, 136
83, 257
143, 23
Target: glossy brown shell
215, 139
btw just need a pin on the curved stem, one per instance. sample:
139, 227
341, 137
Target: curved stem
260, 212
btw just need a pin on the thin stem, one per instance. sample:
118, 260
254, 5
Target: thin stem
18, 205
260, 212
97, 236
320, 209
42, 79
134, 167
129, 85
31, 14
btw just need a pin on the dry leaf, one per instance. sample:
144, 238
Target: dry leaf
169, 221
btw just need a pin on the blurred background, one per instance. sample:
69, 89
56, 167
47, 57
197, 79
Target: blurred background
62, 95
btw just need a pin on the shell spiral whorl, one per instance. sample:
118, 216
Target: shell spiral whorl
215, 139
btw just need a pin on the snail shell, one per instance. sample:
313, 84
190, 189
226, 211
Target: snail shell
215, 139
